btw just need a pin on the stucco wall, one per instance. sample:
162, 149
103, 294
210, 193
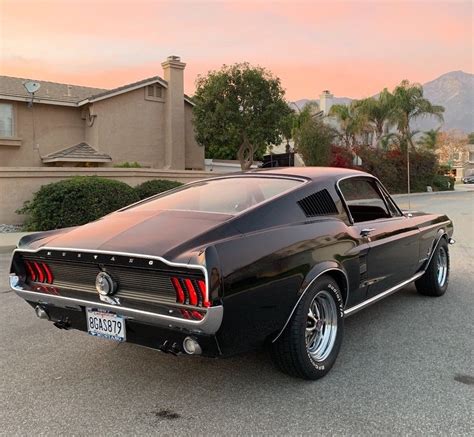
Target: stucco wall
194, 152
56, 127
19, 184
129, 128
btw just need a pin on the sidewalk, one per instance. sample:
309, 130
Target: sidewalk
458, 188
9, 240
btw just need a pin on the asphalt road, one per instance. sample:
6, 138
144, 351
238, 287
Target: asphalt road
405, 367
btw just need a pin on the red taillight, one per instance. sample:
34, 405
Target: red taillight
49, 275
202, 289
191, 291
193, 299
31, 271
39, 272
178, 289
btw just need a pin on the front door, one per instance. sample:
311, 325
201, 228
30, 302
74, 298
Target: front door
392, 240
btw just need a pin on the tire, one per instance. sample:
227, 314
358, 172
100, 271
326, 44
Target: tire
309, 345
436, 278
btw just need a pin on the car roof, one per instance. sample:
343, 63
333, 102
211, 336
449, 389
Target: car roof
313, 173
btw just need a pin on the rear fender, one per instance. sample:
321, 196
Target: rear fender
327, 267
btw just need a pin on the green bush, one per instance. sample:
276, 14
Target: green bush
390, 166
75, 201
443, 183
127, 164
155, 186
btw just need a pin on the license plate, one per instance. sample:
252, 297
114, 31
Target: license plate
105, 325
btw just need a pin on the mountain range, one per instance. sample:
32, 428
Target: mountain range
453, 90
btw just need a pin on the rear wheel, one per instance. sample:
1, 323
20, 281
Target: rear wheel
435, 280
310, 343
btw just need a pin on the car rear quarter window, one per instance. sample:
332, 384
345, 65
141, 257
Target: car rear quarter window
226, 196
363, 199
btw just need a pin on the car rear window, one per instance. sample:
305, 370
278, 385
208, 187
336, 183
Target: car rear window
227, 196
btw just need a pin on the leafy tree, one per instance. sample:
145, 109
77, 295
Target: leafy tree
470, 138
239, 110
309, 111
287, 124
378, 113
409, 105
314, 138
452, 147
352, 123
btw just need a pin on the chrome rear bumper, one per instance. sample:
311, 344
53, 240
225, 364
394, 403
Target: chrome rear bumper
209, 324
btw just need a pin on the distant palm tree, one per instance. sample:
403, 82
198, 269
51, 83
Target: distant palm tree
430, 139
379, 114
351, 123
309, 112
409, 105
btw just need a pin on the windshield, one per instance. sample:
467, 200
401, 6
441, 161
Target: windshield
227, 196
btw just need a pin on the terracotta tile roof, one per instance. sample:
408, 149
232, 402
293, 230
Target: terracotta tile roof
81, 152
61, 92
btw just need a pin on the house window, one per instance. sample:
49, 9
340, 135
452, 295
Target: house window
6, 120
154, 92
456, 156
471, 156
158, 91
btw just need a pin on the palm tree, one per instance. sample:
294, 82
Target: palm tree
351, 123
430, 139
378, 113
309, 112
409, 105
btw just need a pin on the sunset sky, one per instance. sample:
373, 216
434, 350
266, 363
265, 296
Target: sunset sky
353, 48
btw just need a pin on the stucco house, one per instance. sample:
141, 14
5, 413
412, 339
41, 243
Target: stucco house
149, 122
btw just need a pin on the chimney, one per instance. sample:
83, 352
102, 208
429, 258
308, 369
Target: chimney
325, 101
173, 70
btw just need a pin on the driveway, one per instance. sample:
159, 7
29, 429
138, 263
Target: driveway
405, 367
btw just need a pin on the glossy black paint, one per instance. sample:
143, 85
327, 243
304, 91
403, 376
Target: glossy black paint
260, 262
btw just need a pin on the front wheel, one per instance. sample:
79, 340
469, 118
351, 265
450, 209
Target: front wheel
310, 343
435, 280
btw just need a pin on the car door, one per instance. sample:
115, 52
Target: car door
393, 241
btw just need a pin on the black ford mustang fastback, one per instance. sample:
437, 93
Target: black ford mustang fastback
224, 265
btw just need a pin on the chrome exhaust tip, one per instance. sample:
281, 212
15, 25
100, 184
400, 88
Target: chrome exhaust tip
451, 241
191, 346
41, 312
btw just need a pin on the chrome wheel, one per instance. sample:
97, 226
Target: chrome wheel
441, 266
321, 326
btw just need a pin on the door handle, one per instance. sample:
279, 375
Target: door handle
366, 231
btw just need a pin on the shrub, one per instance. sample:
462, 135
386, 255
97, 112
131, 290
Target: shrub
341, 157
443, 183
313, 139
155, 186
390, 166
75, 201
127, 164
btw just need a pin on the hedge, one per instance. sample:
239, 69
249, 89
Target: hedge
75, 201
390, 166
155, 186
